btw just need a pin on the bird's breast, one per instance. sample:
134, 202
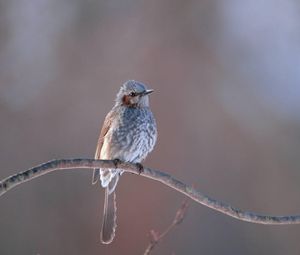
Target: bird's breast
132, 137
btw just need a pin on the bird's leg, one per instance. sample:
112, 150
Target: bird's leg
116, 162
140, 167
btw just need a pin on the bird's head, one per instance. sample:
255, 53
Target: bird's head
133, 94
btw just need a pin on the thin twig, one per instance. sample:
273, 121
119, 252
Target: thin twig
157, 175
155, 237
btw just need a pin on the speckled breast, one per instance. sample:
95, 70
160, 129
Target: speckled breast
134, 134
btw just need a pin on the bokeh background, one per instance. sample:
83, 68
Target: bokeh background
226, 76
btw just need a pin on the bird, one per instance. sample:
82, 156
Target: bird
129, 133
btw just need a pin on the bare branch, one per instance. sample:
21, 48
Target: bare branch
155, 237
162, 177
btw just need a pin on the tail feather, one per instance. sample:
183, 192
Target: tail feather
109, 178
109, 217
96, 176
105, 175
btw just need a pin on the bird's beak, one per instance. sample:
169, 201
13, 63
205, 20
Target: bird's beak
148, 91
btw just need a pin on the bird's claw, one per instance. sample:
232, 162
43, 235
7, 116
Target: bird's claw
116, 162
140, 167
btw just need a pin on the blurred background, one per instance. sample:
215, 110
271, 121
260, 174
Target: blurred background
226, 76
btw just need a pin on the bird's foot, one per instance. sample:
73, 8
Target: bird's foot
116, 162
140, 167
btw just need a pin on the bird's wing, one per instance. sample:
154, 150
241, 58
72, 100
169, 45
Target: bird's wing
105, 128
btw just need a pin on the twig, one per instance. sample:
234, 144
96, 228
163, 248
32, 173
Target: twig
157, 175
155, 237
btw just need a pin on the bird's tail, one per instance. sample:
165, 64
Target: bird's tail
96, 176
109, 215
107, 177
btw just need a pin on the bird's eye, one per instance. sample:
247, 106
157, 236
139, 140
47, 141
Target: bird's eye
132, 94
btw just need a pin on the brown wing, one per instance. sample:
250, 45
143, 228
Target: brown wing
106, 126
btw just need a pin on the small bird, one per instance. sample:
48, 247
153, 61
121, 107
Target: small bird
129, 133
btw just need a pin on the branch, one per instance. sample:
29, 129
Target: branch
162, 177
156, 237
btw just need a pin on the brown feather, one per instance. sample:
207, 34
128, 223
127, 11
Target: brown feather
106, 126
127, 101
